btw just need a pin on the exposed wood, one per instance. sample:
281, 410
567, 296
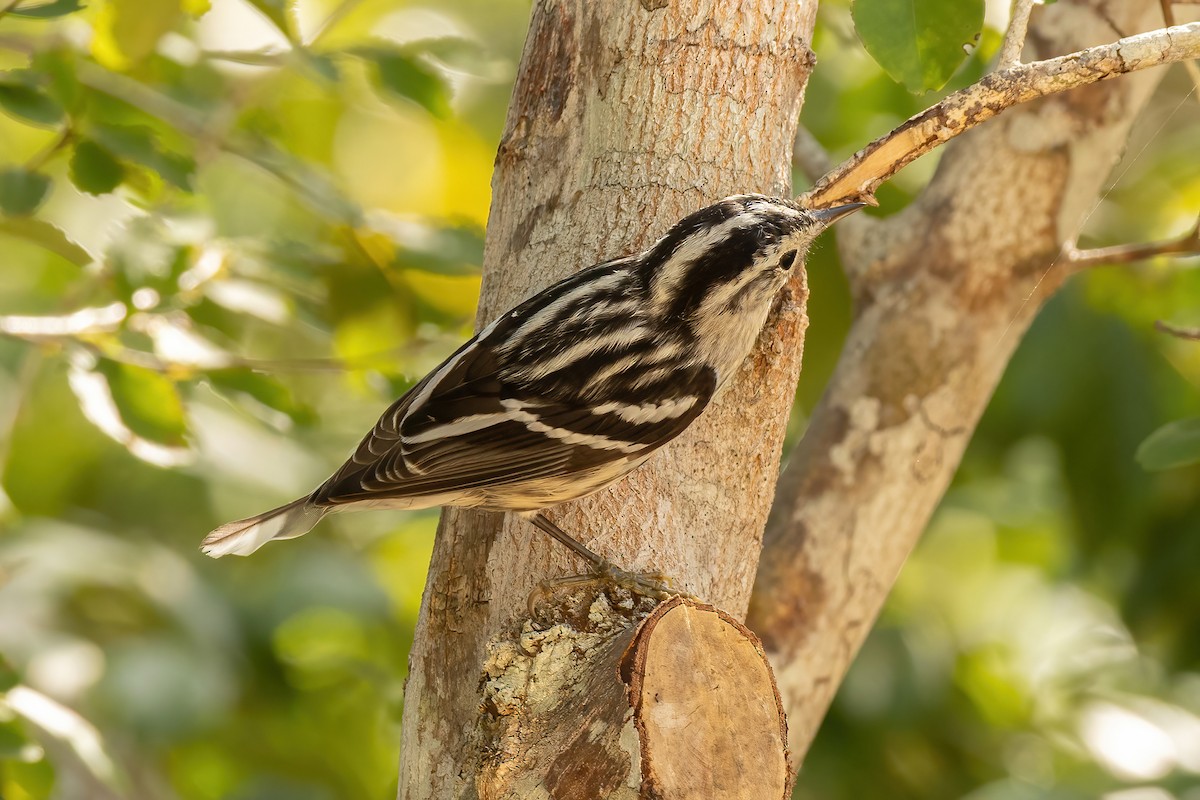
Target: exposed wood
708, 714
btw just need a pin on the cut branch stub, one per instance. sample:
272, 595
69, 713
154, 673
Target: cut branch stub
707, 711
613, 703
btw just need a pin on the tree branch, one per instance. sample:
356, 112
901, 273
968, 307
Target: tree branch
861, 175
1168, 13
1184, 246
1177, 332
945, 293
1014, 38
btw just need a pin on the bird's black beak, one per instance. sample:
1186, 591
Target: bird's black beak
828, 216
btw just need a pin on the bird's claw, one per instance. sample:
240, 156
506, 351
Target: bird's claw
652, 585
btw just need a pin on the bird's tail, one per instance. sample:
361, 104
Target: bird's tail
242, 537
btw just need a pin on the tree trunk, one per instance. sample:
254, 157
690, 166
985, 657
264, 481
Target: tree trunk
624, 118
944, 291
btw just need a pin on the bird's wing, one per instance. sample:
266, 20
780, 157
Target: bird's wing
464, 427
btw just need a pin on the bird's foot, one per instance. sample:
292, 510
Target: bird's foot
654, 586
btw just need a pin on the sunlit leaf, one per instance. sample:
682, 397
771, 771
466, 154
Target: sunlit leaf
148, 402
277, 12
312, 184
1176, 444
141, 145
94, 170
59, 67
128, 30
920, 43
22, 97
22, 191
146, 257
55, 8
405, 243
46, 235
455, 51
66, 725
265, 389
403, 74
448, 251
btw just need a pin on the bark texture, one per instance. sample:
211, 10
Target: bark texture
944, 291
679, 706
624, 118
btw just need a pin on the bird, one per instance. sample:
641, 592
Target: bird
576, 386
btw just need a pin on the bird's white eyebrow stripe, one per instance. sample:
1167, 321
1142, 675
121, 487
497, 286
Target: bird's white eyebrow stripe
676, 266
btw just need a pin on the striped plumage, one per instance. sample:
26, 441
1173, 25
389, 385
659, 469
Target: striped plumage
577, 385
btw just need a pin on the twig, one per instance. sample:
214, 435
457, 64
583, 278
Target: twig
1168, 13
40, 158
331, 21
1180, 333
859, 177
1185, 246
1014, 37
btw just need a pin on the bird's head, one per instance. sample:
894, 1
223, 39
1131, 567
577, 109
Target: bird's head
733, 255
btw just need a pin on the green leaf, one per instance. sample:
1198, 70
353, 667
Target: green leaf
51, 238
55, 8
59, 69
140, 145
263, 388
403, 74
22, 191
1176, 444
148, 402
8, 676
13, 741
127, 31
21, 97
918, 42
94, 170
445, 251
277, 12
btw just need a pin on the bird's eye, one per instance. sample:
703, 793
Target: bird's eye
785, 261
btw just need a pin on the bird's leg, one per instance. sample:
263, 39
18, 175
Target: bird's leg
652, 584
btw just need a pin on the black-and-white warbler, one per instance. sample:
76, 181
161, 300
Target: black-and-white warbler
577, 385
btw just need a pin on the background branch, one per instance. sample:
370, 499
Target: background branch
944, 292
1187, 245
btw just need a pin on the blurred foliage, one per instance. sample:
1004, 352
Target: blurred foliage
919, 43
234, 230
